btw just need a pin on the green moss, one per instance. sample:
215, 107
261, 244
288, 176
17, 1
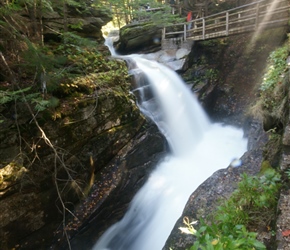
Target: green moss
140, 29
265, 166
272, 150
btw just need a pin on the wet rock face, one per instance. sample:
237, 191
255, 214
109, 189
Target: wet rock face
87, 23
121, 180
84, 21
283, 220
102, 145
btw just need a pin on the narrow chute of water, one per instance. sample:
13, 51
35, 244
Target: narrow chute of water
198, 149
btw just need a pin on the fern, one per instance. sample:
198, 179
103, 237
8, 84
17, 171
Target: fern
8, 96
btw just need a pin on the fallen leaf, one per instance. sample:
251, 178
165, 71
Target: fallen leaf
286, 233
184, 230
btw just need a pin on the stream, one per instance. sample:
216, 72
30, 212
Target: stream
198, 148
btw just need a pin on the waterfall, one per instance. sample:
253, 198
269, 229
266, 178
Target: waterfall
198, 149
183, 121
109, 42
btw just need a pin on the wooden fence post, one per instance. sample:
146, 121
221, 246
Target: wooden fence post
257, 16
163, 33
227, 23
203, 28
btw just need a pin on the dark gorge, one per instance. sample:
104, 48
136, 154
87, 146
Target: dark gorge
71, 170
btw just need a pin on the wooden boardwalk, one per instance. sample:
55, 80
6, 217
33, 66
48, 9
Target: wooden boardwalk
246, 18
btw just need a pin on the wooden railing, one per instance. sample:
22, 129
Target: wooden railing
246, 18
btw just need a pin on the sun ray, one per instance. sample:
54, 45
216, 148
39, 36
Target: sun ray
260, 27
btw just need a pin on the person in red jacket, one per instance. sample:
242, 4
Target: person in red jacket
189, 19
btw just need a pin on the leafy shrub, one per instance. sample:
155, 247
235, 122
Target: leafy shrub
277, 65
253, 203
287, 172
273, 95
22, 95
251, 206
221, 237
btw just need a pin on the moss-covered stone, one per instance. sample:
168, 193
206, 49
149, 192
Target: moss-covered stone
94, 119
132, 38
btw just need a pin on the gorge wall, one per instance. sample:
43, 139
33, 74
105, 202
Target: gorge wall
80, 159
88, 155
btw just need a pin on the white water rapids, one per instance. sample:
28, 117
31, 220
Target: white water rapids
198, 149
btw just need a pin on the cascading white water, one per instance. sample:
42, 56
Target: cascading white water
199, 148
109, 43
184, 122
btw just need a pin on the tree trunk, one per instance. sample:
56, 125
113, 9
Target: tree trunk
65, 15
40, 22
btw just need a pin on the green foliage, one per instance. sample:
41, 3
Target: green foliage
71, 39
45, 4
37, 59
124, 12
211, 74
202, 76
166, 18
214, 43
73, 67
83, 56
41, 104
10, 7
215, 238
8, 96
287, 172
7, 9
23, 95
273, 94
60, 67
277, 65
76, 26
252, 206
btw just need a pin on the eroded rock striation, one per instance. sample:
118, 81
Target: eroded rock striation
100, 146
78, 163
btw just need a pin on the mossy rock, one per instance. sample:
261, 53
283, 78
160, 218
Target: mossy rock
10, 174
265, 166
132, 37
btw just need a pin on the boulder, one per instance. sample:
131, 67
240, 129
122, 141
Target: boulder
87, 23
132, 38
174, 59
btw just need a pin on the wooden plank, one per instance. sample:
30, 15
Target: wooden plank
175, 33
